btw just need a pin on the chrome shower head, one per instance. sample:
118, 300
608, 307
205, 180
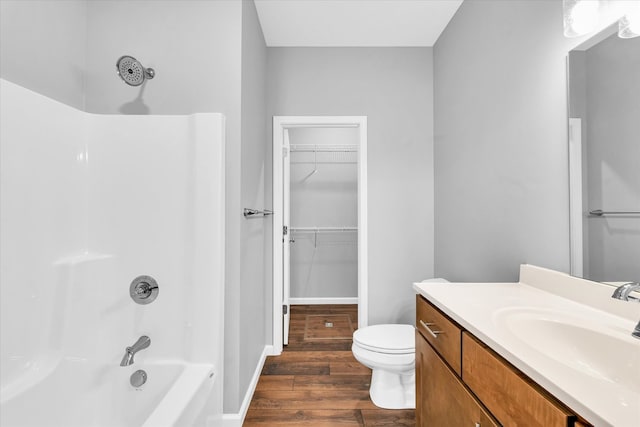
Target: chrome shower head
132, 72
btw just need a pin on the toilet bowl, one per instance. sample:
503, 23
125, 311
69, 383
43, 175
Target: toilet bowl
389, 351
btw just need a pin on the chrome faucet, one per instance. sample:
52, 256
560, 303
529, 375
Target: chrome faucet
636, 331
142, 343
623, 293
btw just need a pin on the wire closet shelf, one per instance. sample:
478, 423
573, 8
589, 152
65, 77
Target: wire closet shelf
323, 229
315, 231
317, 154
324, 148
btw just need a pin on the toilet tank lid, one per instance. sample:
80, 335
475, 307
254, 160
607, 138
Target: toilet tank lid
386, 338
435, 280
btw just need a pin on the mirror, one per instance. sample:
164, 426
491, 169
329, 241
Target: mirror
604, 152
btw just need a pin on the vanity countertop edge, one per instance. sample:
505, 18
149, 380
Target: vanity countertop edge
480, 307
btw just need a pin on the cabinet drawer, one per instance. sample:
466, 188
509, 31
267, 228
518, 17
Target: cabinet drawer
441, 332
442, 398
510, 396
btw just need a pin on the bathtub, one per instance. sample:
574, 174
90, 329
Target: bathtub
78, 393
90, 202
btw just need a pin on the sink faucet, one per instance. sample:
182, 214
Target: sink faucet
142, 343
623, 293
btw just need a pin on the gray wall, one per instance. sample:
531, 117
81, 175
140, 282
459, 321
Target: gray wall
393, 87
43, 47
247, 323
194, 47
501, 174
613, 158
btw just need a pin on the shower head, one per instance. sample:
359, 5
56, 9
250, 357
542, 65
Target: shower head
132, 72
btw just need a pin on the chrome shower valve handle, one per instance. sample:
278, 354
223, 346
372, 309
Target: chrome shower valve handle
144, 289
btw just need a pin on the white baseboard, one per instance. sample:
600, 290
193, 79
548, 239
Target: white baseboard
320, 301
236, 419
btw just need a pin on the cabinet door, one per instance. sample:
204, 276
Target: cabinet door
441, 399
511, 397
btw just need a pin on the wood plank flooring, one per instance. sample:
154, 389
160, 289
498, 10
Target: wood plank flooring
316, 381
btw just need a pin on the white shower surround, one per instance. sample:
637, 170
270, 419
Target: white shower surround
89, 202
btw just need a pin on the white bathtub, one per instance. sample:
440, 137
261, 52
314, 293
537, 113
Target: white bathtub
89, 202
78, 393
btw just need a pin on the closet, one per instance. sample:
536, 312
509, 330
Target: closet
323, 209
319, 216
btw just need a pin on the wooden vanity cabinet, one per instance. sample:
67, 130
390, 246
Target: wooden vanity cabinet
448, 402
511, 396
461, 382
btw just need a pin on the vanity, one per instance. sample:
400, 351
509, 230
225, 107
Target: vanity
550, 350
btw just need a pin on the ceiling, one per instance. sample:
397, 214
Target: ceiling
354, 23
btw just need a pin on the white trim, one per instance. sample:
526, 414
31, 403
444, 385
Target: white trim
285, 122
323, 301
576, 262
236, 420
277, 239
363, 230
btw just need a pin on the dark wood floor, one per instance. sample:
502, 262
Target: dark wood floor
316, 381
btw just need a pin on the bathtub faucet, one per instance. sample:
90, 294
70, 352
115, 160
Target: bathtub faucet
142, 343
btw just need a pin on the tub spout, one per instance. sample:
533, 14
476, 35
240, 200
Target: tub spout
142, 343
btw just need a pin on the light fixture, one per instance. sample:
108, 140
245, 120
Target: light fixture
629, 24
580, 16
584, 16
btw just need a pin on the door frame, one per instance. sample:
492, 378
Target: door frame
280, 123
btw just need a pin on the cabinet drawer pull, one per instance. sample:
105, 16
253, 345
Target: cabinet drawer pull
431, 331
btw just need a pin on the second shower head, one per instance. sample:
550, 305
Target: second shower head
132, 72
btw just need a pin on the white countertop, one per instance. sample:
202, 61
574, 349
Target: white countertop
481, 309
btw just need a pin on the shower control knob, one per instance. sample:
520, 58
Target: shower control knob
144, 289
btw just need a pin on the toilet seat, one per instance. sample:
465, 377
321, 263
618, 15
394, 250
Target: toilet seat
387, 339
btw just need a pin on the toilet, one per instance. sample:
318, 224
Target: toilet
390, 352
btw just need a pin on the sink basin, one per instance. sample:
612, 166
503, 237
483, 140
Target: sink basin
603, 350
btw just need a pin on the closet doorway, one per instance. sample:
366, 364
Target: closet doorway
320, 215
